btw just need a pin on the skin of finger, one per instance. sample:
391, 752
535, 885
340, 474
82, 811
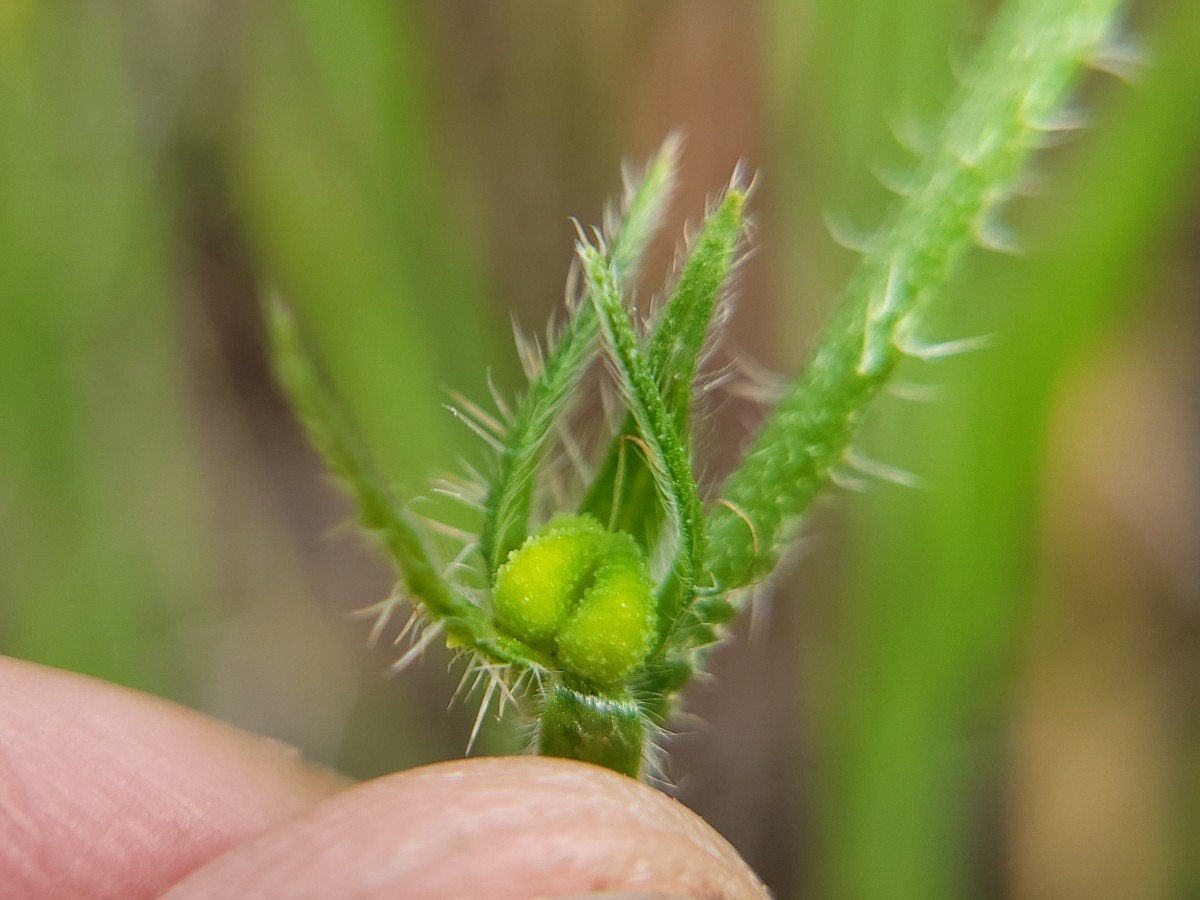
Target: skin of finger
488, 829
107, 792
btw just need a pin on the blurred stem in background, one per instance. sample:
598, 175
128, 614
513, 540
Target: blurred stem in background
159, 167
335, 162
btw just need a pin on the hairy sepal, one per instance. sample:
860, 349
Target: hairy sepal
667, 454
624, 492
536, 416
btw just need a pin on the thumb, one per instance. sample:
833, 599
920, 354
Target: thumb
492, 829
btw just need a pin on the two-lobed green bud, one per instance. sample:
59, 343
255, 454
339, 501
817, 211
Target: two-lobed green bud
583, 595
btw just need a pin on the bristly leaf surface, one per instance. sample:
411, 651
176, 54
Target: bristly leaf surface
510, 498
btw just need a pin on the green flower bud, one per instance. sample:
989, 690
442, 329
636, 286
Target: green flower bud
609, 633
583, 595
539, 585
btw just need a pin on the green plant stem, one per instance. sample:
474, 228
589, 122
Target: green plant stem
604, 729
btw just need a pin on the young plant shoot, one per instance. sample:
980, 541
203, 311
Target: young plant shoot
596, 616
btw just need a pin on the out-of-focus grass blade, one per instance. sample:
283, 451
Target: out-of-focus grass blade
336, 170
97, 514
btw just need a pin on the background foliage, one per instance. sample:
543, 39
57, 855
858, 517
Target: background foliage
986, 687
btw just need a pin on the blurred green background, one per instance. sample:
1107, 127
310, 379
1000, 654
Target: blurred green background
988, 687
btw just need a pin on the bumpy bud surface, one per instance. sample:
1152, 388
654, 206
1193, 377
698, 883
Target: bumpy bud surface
581, 593
608, 634
540, 583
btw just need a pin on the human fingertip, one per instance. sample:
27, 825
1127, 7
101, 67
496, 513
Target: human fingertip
489, 829
108, 792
